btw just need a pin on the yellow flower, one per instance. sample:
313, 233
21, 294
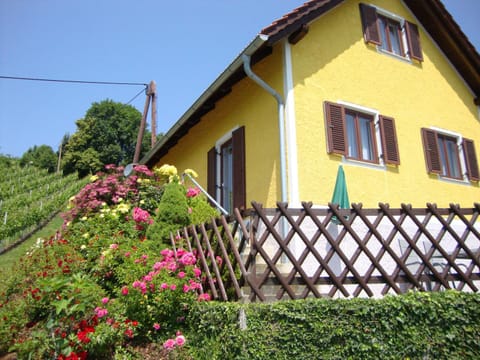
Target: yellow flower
86, 235
123, 208
84, 218
93, 178
191, 172
166, 171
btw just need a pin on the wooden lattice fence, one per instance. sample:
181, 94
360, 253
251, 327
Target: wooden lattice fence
282, 253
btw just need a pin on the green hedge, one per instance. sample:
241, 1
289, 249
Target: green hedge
443, 325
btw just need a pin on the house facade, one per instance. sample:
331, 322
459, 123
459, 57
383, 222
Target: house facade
388, 89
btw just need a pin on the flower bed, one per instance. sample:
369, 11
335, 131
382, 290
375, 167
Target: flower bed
107, 284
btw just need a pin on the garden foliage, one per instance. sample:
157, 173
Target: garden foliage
417, 325
101, 288
109, 286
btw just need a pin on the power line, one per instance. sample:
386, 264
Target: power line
139, 93
73, 81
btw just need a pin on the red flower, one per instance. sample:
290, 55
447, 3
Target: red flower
83, 335
129, 333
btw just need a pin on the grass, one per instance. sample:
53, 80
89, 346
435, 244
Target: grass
8, 259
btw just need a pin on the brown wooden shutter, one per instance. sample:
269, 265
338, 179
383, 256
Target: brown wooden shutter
471, 160
212, 172
371, 31
430, 148
335, 127
389, 140
238, 149
413, 40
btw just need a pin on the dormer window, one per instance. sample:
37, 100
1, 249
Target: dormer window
390, 33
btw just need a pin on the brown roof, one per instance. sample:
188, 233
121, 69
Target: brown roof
430, 13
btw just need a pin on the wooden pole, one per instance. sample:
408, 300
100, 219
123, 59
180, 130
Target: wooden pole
153, 94
141, 130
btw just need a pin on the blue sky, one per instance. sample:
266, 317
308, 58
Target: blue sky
183, 48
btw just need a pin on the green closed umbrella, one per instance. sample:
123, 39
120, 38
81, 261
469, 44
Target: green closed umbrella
340, 194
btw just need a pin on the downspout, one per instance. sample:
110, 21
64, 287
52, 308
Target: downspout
281, 122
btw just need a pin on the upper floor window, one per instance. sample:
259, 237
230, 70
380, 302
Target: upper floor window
391, 33
356, 133
450, 155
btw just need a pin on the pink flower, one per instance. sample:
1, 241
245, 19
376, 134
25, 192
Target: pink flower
192, 192
219, 260
169, 344
186, 288
113, 246
156, 326
105, 300
141, 216
181, 274
173, 287
204, 297
127, 254
180, 340
125, 290
188, 259
172, 266
101, 312
157, 266
164, 286
197, 272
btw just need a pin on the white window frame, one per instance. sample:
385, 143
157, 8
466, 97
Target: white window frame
378, 139
404, 41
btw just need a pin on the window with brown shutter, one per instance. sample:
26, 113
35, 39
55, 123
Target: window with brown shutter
335, 126
351, 133
430, 149
471, 160
371, 32
239, 188
389, 140
212, 172
413, 40
386, 30
442, 155
227, 163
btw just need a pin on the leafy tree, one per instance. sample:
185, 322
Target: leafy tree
109, 132
41, 156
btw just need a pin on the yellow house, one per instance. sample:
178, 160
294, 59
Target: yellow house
388, 89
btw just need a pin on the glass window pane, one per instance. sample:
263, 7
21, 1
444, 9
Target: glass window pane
443, 160
394, 39
227, 176
384, 45
452, 155
351, 137
366, 138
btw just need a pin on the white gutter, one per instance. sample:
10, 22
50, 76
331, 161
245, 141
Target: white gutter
281, 122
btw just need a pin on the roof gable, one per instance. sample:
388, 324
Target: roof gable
430, 13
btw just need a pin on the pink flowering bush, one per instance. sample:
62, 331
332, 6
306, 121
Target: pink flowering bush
102, 286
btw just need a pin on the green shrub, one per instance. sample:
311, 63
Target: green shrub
172, 214
443, 325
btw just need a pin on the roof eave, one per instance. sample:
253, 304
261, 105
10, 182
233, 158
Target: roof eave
150, 158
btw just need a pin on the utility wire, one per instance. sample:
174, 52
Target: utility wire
139, 93
74, 81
